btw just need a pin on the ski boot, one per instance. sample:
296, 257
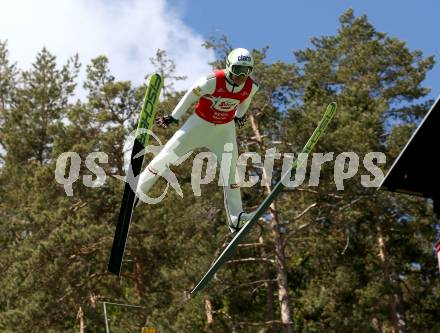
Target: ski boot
236, 223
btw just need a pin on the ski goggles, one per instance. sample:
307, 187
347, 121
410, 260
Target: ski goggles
239, 70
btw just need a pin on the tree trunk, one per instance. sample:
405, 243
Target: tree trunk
394, 300
283, 296
80, 317
139, 281
209, 315
269, 288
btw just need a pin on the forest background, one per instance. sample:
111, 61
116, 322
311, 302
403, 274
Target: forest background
322, 260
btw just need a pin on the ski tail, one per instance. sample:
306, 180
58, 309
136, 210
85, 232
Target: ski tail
146, 119
225, 255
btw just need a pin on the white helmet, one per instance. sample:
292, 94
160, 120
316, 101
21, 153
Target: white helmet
239, 62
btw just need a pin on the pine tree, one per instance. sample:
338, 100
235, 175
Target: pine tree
358, 245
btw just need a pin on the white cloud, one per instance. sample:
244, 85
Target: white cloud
127, 31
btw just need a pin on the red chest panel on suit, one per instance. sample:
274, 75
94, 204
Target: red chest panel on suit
220, 106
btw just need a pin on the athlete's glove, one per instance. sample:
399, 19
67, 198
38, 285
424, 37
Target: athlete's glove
240, 121
165, 121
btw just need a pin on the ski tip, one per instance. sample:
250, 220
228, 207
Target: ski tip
332, 106
114, 271
114, 268
330, 110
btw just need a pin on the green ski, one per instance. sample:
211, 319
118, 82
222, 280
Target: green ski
146, 120
224, 256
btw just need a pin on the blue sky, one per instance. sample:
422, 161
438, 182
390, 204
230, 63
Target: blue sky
286, 26
130, 31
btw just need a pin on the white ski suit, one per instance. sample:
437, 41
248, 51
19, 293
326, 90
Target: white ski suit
211, 126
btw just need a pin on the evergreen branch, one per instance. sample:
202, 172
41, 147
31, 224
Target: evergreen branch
347, 243
270, 322
235, 261
287, 189
304, 212
250, 284
244, 246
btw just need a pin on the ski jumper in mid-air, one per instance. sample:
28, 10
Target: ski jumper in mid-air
222, 98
